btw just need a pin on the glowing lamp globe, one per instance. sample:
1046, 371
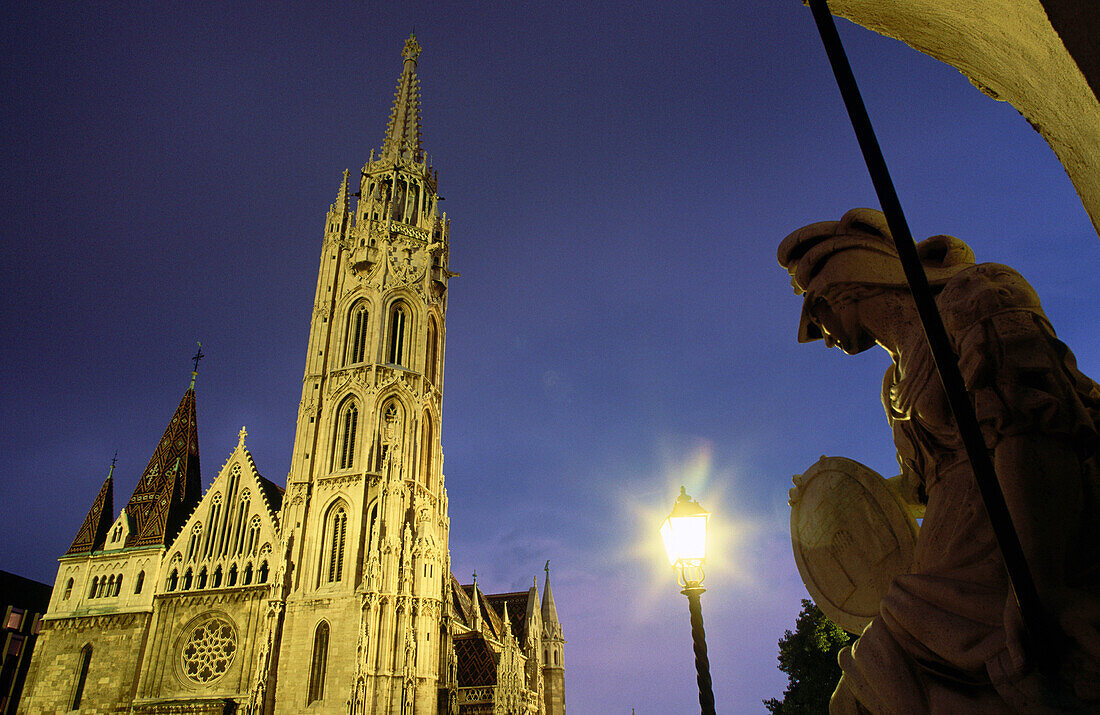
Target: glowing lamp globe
684, 532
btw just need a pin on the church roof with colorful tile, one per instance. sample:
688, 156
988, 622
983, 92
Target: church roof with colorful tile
170, 486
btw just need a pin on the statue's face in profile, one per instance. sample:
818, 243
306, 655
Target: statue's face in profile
837, 314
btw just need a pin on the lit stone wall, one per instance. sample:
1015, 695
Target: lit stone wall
205, 645
116, 643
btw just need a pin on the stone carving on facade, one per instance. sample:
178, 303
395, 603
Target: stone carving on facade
948, 635
339, 481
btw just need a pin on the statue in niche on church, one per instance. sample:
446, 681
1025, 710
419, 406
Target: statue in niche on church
946, 636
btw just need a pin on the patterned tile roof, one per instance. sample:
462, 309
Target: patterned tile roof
517, 608
170, 487
476, 661
93, 532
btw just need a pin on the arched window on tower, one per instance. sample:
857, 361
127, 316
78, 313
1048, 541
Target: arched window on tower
426, 451
319, 664
355, 342
140, 582
95, 586
68, 590
336, 531
81, 677
431, 359
346, 425
398, 320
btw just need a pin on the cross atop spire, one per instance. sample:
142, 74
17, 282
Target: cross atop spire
403, 131
194, 373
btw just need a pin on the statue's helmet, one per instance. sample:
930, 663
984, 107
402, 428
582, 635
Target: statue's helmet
858, 249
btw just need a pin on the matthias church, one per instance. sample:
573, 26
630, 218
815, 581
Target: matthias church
333, 594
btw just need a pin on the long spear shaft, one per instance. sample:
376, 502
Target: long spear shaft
1038, 628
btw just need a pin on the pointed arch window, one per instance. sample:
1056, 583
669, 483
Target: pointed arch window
95, 586
253, 535
319, 664
248, 573
173, 580
336, 531
193, 543
398, 319
346, 427
372, 535
81, 677
140, 582
187, 580
432, 357
355, 343
426, 449
232, 575
68, 590
242, 523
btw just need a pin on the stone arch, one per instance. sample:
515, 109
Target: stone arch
356, 331
333, 561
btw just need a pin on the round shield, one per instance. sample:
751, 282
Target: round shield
851, 536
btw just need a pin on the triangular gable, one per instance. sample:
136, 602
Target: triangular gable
93, 532
233, 530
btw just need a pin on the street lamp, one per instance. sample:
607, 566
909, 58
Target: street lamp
684, 532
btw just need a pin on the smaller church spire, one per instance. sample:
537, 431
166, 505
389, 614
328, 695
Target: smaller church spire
93, 532
477, 605
549, 610
507, 622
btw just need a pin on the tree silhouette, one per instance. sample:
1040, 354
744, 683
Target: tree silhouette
808, 657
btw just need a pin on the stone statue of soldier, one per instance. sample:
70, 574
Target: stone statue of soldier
947, 635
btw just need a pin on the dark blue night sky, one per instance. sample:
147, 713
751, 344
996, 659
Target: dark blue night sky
618, 179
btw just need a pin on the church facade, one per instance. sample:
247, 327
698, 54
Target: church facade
335, 593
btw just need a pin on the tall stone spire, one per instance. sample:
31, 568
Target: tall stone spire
170, 487
549, 610
93, 532
402, 142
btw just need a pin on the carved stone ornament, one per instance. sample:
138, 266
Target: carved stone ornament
851, 536
407, 263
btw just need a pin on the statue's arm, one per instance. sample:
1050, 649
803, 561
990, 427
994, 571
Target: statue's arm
907, 488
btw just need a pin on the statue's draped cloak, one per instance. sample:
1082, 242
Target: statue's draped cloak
947, 638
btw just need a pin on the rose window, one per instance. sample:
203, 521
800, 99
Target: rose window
209, 650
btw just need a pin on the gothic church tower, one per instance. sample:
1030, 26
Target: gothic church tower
365, 514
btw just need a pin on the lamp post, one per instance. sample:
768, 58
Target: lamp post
684, 532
